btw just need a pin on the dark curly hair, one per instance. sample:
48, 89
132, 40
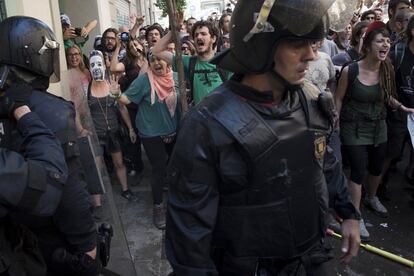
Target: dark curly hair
212, 29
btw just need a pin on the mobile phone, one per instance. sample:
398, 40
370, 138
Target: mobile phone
78, 31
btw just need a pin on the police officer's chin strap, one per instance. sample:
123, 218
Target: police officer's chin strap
288, 86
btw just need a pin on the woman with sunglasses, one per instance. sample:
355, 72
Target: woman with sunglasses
134, 64
187, 47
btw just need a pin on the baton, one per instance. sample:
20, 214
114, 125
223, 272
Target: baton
377, 251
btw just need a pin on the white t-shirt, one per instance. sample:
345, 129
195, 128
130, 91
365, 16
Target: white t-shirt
321, 70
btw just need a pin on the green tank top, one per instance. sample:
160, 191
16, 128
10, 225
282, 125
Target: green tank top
363, 116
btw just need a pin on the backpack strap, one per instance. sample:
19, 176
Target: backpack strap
353, 71
352, 54
191, 71
222, 73
399, 51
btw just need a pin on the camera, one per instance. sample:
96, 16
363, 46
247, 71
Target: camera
124, 36
78, 31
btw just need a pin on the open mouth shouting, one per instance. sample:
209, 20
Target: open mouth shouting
383, 54
200, 44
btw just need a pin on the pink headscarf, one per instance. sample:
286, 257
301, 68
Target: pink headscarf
164, 87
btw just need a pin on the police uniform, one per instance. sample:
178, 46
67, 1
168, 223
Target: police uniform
241, 189
30, 181
72, 226
31, 54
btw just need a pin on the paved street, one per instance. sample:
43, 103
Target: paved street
394, 234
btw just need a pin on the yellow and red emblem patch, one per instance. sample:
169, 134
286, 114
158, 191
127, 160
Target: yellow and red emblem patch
320, 147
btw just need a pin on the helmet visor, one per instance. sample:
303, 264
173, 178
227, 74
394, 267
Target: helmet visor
301, 16
341, 13
298, 16
55, 77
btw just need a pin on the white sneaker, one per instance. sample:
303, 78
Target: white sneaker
375, 205
132, 173
363, 232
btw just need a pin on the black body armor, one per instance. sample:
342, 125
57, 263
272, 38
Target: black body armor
247, 182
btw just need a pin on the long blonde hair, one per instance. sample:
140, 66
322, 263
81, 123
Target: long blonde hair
82, 66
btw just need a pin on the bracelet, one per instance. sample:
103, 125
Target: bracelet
115, 96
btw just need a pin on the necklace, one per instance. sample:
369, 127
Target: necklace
105, 114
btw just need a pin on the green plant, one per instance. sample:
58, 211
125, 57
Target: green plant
162, 5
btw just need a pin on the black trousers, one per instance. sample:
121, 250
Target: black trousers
158, 154
132, 151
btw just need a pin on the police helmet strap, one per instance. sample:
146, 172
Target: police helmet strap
261, 21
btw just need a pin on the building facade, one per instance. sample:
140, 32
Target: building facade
109, 13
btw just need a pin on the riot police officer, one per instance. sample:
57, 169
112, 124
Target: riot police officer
31, 53
248, 194
30, 181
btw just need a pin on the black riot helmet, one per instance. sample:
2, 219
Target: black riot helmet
257, 26
28, 43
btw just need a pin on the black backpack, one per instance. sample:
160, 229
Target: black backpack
353, 71
191, 69
398, 55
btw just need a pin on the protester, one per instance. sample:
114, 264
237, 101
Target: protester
342, 39
393, 7
361, 101
78, 36
369, 16
203, 76
378, 14
104, 116
329, 47
224, 28
155, 93
187, 47
353, 53
238, 189
402, 56
152, 34
109, 38
76, 64
132, 66
189, 24
401, 21
321, 70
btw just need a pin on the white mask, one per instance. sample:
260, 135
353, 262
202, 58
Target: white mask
97, 68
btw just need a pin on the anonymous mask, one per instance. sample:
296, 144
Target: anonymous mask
97, 68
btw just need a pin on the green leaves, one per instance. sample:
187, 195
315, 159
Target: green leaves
162, 5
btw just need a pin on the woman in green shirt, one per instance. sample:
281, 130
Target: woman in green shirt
362, 109
156, 94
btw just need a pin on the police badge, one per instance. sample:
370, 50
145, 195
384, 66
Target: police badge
320, 147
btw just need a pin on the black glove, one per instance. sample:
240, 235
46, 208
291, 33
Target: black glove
17, 95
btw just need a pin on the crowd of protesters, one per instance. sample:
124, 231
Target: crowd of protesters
368, 66
148, 113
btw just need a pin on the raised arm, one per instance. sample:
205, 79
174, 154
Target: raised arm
160, 49
138, 23
116, 66
89, 27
